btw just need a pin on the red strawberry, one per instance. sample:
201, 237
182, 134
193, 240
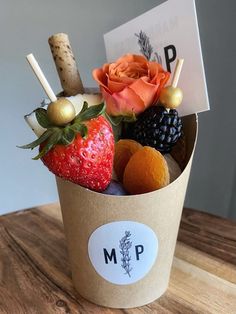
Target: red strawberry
82, 151
87, 162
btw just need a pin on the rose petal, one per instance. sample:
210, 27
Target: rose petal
124, 80
132, 70
124, 103
106, 67
100, 76
163, 82
154, 68
145, 90
158, 78
135, 70
112, 107
115, 86
132, 58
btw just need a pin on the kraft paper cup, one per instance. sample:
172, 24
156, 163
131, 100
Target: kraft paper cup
121, 247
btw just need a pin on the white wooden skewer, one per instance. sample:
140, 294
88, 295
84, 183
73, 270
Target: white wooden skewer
42, 79
177, 72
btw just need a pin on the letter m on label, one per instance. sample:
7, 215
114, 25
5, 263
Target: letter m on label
110, 257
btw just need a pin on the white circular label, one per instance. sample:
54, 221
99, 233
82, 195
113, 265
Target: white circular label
123, 252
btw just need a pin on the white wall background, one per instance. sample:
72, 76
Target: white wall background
25, 27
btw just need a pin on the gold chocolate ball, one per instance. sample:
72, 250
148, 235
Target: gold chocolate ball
171, 97
61, 112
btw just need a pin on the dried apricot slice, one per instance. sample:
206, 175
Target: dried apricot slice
146, 171
124, 149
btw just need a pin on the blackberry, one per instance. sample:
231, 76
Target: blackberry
158, 128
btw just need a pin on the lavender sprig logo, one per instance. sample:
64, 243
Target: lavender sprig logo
125, 245
146, 48
144, 44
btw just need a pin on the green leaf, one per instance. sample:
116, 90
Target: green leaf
52, 141
85, 107
130, 119
84, 131
91, 112
68, 136
80, 128
114, 120
42, 118
39, 140
117, 131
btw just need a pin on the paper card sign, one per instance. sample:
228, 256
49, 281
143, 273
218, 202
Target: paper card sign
165, 33
123, 252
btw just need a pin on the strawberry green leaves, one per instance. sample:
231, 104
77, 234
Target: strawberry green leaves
68, 136
52, 141
41, 116
85, 107
80, 128
116, 120
88, 113
63, 135
39, 140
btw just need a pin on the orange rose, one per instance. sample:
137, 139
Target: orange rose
131, 84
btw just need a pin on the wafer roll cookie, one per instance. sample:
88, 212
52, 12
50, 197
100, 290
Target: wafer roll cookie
65, 64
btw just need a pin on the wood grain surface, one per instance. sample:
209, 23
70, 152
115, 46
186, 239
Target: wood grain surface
35, 275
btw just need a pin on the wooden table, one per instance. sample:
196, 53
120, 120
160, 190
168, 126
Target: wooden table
35, 275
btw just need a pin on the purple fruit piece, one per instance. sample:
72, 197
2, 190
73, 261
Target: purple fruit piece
115, 188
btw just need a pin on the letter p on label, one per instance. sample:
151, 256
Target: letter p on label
139, 249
